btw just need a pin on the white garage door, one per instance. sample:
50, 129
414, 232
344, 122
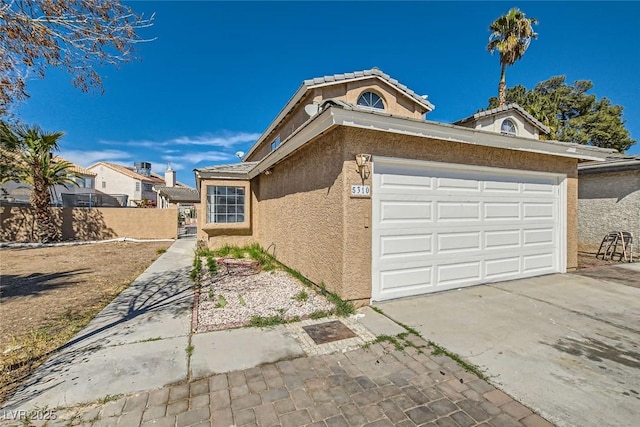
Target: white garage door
441, 226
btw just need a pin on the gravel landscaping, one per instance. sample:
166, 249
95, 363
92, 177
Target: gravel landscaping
233, 297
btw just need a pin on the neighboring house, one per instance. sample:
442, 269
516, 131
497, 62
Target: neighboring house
608, 200
511, 120
135, 183
61, 195
351, 186
175, 194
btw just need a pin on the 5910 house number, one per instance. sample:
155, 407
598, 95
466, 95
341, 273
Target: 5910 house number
360, 191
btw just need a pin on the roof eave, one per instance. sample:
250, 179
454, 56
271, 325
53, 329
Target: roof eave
605, 167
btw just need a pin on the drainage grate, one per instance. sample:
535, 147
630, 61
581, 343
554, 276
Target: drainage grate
326, 332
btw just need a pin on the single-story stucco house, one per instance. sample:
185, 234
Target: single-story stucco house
608, 200
354, 188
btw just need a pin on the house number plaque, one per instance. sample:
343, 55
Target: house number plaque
361, 191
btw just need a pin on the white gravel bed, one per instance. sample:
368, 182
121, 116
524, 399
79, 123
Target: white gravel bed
264, 294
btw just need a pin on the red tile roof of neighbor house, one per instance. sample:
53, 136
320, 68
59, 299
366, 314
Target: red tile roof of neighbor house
75, 168
130, 172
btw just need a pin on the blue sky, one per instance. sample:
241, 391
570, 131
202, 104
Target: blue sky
219, 72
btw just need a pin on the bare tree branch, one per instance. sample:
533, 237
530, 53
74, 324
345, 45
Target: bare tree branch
76, 35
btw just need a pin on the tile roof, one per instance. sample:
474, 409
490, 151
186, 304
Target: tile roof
615, 162
507, 107
128, 171
75, 168
179, 194
374, 72
233, 168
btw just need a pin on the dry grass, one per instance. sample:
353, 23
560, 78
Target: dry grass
49, 294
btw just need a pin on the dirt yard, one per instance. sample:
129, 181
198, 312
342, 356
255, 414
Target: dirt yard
49, 294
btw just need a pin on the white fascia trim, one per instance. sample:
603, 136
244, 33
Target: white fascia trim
363, 120
285, 110
606, 165
312, 128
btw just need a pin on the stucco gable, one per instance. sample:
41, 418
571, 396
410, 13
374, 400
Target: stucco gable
374, 77
494, 113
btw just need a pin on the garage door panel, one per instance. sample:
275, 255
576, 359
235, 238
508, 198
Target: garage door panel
502, 239
539, 210
408, 280
457, 184
538, 236
456, 242
405, 183
501, 187
501, 211
536, 263
405, 245
405, 211
500, 268
539, 187
457, 211
459, 273
439, 227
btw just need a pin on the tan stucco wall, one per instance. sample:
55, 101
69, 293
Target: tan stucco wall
300, 211
304, 214
608, 202
395, 103
16, 223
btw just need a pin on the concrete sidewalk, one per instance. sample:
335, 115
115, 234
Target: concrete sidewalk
137, 342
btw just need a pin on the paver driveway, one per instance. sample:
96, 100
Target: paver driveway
567, 345
378, 386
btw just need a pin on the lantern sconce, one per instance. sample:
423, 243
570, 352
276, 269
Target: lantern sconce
363, 160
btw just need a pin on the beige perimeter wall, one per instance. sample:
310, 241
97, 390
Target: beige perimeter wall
16, 223
608, 202
303, 213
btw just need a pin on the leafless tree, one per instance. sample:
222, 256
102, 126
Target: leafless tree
77, 35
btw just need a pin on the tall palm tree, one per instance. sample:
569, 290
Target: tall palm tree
510, 36
31, 150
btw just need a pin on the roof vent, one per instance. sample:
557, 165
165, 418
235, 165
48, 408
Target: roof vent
143, 168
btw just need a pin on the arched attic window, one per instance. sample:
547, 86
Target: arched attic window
371, 100
508, 127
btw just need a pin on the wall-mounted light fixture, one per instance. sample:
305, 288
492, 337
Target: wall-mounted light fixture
363, 160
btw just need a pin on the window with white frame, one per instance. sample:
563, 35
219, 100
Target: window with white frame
225, 204
371, 100
275, 143
137, 185
508, 127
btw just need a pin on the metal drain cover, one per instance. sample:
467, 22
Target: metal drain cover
326, 332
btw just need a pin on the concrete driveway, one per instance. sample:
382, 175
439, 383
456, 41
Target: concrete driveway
566, 345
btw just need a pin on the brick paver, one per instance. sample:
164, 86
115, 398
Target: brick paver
374, 386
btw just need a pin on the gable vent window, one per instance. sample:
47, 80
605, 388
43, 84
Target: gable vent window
275, 143
508, 127
371, 100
